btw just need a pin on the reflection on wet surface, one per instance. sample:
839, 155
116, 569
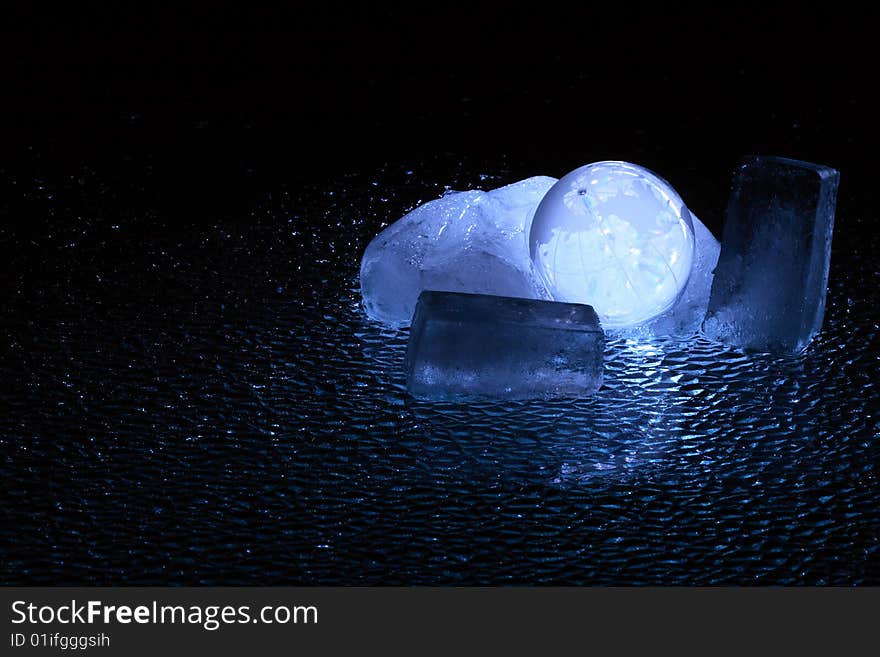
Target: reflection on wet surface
187, 402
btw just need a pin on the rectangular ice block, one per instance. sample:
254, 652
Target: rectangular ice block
769, 288
476, 345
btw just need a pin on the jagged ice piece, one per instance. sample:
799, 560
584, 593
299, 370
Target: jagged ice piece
471, 241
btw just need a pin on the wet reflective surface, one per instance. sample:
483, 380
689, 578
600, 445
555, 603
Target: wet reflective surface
205, 402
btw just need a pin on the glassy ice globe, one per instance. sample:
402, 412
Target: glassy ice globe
615, 236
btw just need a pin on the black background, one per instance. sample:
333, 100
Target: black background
198, 134
312, 91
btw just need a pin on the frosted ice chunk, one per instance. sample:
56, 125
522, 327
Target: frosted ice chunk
769, 287
470, 345
617, 236
462, 242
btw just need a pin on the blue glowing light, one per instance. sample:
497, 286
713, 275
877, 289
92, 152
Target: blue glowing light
615, 236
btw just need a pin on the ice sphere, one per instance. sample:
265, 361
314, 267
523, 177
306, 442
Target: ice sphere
616, 236
462, 242
769, 287
475, 345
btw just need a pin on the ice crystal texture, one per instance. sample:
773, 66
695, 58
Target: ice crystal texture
475, 345
616, 236
471, 241
769, 289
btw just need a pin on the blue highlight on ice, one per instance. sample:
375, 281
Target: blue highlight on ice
476, 345
502, 287
770, 283
616, 236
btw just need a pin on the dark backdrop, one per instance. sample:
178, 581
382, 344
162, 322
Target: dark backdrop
313, 91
